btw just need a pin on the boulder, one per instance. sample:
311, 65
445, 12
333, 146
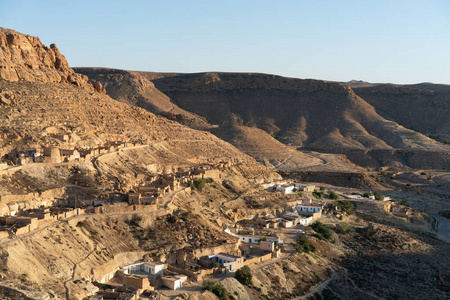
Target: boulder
98, 87
6, 98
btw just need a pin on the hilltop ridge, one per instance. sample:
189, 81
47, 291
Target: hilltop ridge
302, 113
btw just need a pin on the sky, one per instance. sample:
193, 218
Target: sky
398, 41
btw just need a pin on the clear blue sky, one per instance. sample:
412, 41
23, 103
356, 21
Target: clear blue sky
379, 41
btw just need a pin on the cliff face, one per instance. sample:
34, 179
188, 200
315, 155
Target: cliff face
25, 57
299, 112
421, 107
325, 116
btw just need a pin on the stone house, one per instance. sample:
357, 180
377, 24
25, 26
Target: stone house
305, 187
54, 154
403, 211
69, 154
137, 281
260, 248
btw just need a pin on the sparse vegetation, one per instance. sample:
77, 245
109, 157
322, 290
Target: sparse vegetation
199, 183
171, 219
346, 206
343, 228
367, 194
322, 231
244, 275
216, 288
378, 196
404, 202
318, 195
305, 245
333, 195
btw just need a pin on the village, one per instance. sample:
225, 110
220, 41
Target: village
251, 241
61, 154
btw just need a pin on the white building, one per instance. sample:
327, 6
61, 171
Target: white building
230, 262
255, 238
147, 267
285, 188
309, 207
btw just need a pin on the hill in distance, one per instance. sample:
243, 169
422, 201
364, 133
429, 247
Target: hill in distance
307, 114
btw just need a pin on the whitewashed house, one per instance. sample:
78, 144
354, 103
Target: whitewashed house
147, 267
285, 188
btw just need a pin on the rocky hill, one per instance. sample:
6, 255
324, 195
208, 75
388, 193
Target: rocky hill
311, 114
24, 57
132, 88
40, 101
421, 107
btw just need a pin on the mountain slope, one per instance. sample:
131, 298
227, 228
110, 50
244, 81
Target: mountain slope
324, 116
132, 88
422, 107
302, 112
37, 107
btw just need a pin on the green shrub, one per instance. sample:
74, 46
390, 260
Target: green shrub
244, 275
344, 228
215, 287
322, 188
318, 195
378, 196
404, 202
322, 231
346, 206
367, 194
200, 183
304, 245
300, 194
333, 195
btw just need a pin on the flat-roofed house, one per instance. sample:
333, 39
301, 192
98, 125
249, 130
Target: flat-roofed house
174, 282
230, 262
285, 188
309, 207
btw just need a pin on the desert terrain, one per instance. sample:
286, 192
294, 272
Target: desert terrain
236, 185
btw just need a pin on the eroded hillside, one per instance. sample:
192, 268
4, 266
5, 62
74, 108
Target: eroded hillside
312, 114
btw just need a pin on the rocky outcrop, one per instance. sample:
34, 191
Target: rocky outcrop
206, 82
24, 57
